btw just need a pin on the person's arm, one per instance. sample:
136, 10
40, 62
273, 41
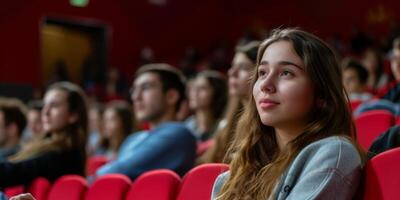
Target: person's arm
48, 165
333, 172
168, 150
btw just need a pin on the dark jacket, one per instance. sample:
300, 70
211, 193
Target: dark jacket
50, 165
387, 140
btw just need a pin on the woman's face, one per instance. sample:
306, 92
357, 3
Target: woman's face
202, 94
370, 61
34, 122
55, 113
112, 123
351, 81
239, 76
283, 92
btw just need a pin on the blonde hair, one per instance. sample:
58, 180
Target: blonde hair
73, 137
258, 163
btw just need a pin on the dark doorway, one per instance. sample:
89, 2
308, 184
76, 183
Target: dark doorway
74, 50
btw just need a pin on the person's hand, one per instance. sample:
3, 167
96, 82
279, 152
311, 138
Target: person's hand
26, 196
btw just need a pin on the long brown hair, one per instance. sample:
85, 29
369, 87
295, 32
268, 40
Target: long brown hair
125, 116
225, 135
73, 137
258, 163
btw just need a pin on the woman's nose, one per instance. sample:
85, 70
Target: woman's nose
268, 84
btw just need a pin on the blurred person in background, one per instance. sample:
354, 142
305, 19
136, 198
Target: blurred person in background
96, 111
157, 93
118, 123
12, 124
355, 80
34, 127
61, 149
207, 98
239, 87
372, 60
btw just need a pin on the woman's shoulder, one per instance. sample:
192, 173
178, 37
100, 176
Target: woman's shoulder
329, 153
219, 182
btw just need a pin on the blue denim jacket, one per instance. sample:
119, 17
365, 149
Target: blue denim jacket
326, 169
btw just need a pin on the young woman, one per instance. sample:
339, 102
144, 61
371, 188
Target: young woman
61, 150
118, 123
239, 75
372, 60
298, 139
207, 97
355, 80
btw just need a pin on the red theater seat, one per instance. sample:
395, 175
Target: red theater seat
68, 187
109, 187
382, 176
155, 185
198, 182
371, 124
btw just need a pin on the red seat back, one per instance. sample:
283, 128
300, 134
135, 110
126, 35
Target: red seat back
39, 188
198, 182
68, 187
15, 190
382, 176
354, 104
371, 124
93, 163
155, 185
203, 146
109, 187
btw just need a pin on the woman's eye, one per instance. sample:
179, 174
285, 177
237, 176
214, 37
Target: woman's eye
286, 73
261, 73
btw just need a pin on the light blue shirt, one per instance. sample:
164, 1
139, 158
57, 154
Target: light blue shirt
326, 169
168, 146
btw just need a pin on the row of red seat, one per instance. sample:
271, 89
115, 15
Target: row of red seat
371, 124
154, 185
381, 181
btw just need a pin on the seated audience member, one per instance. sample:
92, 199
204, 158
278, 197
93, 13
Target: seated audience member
34, 127
96, 111
390, 95
354, 80
207, 98
157, 92
298, 137
372, 60
118, 123
239, 75
61, 149
392, 91
12, 123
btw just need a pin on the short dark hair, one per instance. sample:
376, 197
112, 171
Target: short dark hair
362, 73
170, 77
14, 112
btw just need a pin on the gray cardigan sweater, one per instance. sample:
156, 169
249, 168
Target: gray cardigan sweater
326, 169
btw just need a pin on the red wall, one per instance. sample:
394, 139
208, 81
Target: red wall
181, 23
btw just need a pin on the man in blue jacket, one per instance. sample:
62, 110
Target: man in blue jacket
157, 93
